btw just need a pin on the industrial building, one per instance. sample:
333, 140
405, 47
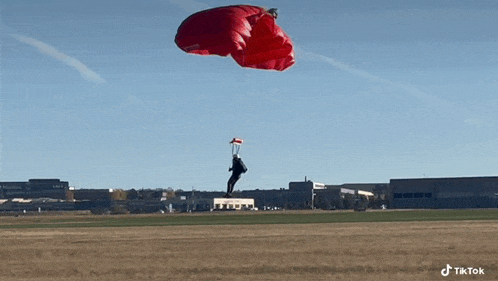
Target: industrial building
426, 193
444, 193
309, 195
93, 194
233, 204
35, 188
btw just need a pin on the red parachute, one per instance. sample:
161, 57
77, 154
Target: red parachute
248, 33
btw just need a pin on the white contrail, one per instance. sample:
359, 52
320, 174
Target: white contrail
443, 106
361, 73
85, 72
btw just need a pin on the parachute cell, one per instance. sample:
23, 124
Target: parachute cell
248, 33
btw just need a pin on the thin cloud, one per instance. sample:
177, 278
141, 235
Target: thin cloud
85, 72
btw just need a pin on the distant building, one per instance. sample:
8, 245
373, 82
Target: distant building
304, 186
444, 193
93, 194
35, 188
357, 186
344, 196
233, 203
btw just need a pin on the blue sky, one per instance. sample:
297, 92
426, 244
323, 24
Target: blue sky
96, 93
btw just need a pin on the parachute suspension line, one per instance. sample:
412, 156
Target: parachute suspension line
236, 142
235, 149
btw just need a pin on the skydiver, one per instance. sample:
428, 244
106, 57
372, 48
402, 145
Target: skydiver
237, 169
273, 12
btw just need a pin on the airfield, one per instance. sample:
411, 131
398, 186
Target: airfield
284, 245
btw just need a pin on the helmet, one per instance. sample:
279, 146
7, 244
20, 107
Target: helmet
273, 12
236, 156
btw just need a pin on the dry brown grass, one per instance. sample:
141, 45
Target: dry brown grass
339, 251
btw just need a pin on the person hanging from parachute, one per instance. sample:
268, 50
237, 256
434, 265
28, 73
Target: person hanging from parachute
249, 34
238, 168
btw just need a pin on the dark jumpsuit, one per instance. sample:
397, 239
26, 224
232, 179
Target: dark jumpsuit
237, 169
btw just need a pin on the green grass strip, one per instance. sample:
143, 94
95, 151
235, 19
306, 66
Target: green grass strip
246, 218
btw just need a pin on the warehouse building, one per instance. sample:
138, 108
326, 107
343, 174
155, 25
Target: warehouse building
35, 188
444, 193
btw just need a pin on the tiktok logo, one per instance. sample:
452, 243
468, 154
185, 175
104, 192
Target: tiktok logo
446, 271
462, 270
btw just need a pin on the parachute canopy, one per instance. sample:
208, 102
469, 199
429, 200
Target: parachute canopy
248, 33
236, 141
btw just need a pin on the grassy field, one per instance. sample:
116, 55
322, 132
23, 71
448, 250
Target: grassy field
394, 245
243, 218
